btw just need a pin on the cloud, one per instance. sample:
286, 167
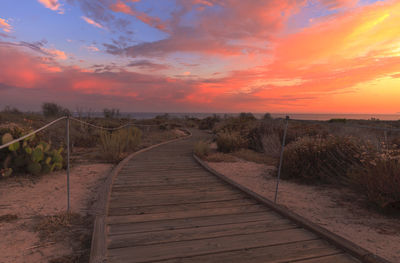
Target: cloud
5, 25
146, 64
39, 48
121, 7
244, 27
53, 5
92, 22
58, 54
92, 48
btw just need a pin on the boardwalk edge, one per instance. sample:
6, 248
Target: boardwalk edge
99, 237
340, 242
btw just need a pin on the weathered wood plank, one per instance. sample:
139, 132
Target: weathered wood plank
174, 208
184, 214
205, 246
129, 240
272, 254
191, 222
342, 258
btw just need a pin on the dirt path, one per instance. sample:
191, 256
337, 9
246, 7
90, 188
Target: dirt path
339, 210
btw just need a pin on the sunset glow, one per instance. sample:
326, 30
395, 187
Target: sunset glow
326, 56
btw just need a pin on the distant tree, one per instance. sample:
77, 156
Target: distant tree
111, 113
164, 116
11, 110
267, 116
246, 116
51, 109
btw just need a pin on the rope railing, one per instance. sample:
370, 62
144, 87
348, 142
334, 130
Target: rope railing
32, 133
356, 147
68, 118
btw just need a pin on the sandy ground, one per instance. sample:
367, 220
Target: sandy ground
339, 210
29, 199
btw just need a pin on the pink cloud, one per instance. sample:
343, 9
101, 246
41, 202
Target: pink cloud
53, 5
5, 25
121, 7
92, 22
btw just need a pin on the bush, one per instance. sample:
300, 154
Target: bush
209, 122
311, 159
229, 142
31, 155
113, 145
111, 113
379, 179
201, 149
50, 109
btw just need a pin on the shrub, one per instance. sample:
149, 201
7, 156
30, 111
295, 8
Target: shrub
311, 159
201, 149
379, 179
229, 142
114, 144
209, 122
111, 113
54, 110
29, 156
267, 116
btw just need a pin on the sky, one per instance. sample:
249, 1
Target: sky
298, 56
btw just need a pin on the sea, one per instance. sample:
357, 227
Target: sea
296, 116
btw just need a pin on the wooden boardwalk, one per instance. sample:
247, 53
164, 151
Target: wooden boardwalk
164, 207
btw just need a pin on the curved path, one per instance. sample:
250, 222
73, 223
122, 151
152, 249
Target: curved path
164, 207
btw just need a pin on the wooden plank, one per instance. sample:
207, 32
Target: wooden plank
161, 182
206, 246
342, 243
174, 208
342, 258
272, 254
129, 240
183, 193
184, 214
191, 222
199, 187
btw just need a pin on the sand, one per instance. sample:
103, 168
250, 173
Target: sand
339, 210
29, 198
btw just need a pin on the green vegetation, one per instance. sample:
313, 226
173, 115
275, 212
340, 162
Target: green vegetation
31, 156
113, 145
341, 152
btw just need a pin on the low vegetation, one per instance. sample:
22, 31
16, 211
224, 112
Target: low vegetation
351, 153
113, 145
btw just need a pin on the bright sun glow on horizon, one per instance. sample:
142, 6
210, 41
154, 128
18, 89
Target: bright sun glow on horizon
336, 56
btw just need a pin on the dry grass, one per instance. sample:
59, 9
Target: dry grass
70, 228
201, 149
256, 157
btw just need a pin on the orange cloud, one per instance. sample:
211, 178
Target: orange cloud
58, 54
121, 7
92, 22
53, 5
5, 25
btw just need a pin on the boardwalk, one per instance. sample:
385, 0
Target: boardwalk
164, 207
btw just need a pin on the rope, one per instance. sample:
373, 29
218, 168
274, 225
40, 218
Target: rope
31, 133
113, 129
77, 120
100, 127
